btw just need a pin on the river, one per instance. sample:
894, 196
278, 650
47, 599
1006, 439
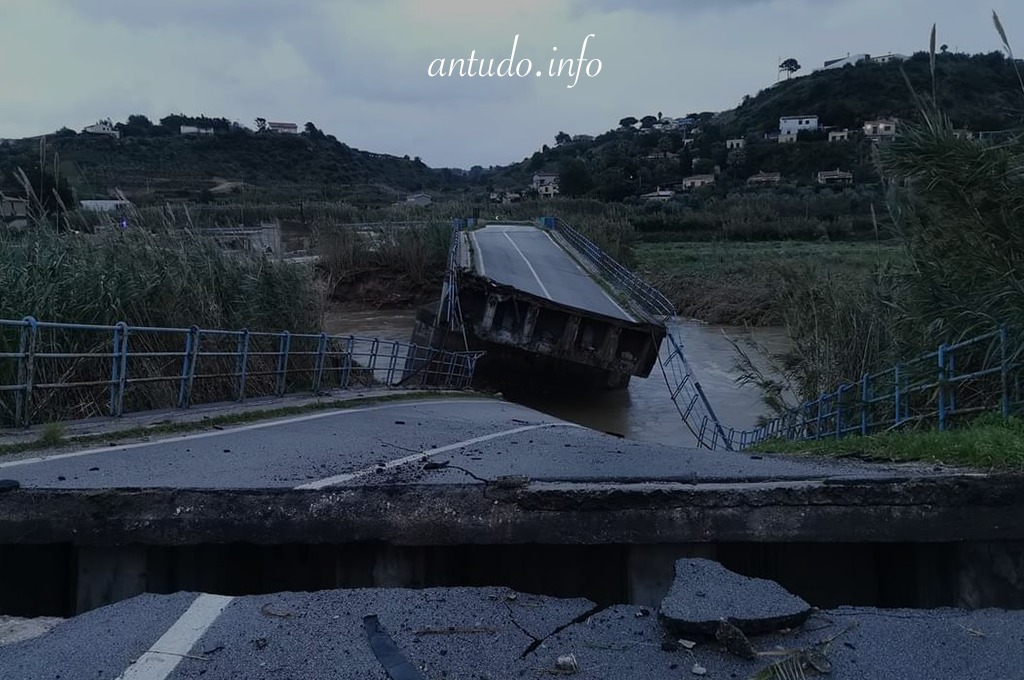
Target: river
644, 411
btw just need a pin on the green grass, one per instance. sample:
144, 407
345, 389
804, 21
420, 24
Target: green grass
988, 443
47, 441
739, 283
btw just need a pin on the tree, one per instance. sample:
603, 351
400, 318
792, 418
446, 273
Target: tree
944, 48
574, 178
790, 66
261, 125
628, 122
648, 121
562, 138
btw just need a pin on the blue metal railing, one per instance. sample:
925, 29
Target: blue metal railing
60, 371
939, 388
648, 298
684, 387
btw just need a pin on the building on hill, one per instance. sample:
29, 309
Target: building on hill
963, 134
881, 130
103, 128
795, 124
286, 128
659, 195
661, 156
195, 130
546, 184
13, 212
841, 62
731, 144
836, 176
698, 181
839, 135
886, 58
764, 178
420, 199
112, 205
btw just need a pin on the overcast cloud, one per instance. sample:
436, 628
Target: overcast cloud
359, 68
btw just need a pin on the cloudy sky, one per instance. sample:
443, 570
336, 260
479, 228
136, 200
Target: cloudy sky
360, 69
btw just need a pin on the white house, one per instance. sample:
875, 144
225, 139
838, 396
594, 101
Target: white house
103, 128
659, 195
105, 205
731, 144
839, 136
698, 181
193, 130
286, 128
791, 125
848, 60
892, 56
546, 183
419, 199
836, 176
880, 130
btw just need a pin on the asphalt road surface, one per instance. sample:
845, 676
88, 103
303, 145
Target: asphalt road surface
527, 258
482, 633
478, 438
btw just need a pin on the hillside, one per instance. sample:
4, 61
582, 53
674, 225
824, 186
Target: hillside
979, 92
156, 162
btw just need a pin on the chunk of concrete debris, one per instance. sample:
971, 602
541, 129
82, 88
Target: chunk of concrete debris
704, 593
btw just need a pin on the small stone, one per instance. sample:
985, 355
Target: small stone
698, 669
688, 644
704, 593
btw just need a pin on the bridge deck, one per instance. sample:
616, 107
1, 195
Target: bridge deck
529, 259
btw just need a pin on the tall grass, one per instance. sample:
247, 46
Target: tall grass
957, 207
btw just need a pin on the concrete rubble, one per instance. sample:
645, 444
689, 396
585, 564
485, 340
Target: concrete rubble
496, 633
704, 593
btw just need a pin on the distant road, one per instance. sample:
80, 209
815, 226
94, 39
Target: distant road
528, 259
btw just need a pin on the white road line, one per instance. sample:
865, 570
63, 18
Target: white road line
477, 255
532, 270
234, 430
347, 477
167, 652
585, 273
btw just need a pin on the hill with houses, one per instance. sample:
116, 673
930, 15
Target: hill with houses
815, 130
210, 159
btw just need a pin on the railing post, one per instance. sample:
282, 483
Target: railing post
1004, 372
839, 410
346, 370
865, 402
282, 363
241, 368
188, 367
817, 422
942, 386
26, 371
896, 379
321, 356
119, 369
393, 361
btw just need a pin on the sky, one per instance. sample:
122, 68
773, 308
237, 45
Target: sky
371, 73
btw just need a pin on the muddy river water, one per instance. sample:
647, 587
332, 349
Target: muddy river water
644, 411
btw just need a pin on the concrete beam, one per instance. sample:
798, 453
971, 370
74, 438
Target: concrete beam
917, 511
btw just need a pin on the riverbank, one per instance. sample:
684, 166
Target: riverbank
739, 284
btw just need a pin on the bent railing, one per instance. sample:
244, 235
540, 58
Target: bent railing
58, 371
